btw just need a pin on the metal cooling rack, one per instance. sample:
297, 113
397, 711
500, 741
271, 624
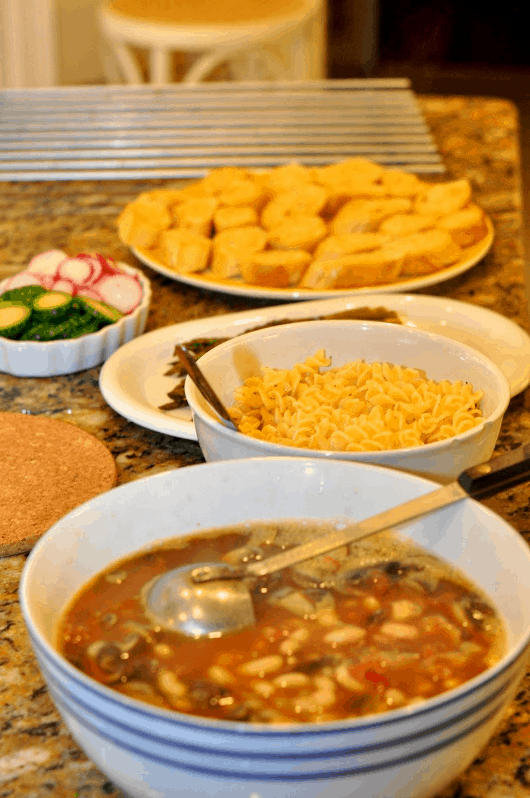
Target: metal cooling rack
181, 131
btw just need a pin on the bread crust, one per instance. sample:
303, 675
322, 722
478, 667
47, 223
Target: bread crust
275, 267
467, 227
185, 251
358, 270
364, 216
233, 246
426, 252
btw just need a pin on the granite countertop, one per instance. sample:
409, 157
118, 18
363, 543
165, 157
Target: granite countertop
479, 139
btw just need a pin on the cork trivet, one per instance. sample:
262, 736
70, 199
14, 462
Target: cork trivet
47, 468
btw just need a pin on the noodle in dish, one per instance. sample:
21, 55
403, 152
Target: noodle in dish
353, 408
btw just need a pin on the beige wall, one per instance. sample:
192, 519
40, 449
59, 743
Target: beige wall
80, 51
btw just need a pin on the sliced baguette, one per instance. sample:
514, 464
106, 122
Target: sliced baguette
281, 268
355, 271
185, 251
467, 226
364, 216
426, 252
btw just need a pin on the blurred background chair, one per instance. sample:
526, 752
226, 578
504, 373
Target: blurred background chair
267, 40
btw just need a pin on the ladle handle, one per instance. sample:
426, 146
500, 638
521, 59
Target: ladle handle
504, 471
360, 529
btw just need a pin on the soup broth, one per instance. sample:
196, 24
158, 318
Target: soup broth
367, 628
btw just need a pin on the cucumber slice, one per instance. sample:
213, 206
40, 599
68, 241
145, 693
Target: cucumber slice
47, 331
68, 328
52, 306
100, 312
14, 318
78, 325
40, 332
26, 294
85, 329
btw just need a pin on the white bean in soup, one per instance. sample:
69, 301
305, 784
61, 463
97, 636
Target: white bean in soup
365, 629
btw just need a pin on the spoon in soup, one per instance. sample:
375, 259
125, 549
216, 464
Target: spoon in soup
189, 363
214, 599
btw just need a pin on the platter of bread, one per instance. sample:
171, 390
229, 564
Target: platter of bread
303, 232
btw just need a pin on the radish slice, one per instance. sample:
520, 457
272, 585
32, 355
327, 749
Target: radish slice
47, 262
91, 276
122, 292
29, 278
20, 280
66, 286
75, 270
96, 269
107, 265
111, 266
89, 293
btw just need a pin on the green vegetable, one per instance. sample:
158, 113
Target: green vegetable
73, 327
101, 313
43, 331
14, 318
79, 325
52, 306
34, 314
26, 294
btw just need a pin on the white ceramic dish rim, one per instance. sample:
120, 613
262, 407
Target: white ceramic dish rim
455, 695
198, 403
68, 344
477, 252
414, 309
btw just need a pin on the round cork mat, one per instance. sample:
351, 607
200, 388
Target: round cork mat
48, 468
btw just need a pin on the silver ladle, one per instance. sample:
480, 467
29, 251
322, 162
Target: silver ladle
188, 361
213, 599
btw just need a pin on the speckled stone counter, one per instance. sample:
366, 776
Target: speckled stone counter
479, 138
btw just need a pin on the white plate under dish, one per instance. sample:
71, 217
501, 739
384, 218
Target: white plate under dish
132, 380
473, 255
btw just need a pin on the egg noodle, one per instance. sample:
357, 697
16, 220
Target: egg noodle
353, 408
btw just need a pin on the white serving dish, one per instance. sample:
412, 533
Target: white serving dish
345, 341
52, 358
134, 384
148, 752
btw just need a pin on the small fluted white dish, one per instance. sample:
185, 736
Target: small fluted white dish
150, 752
229, 364
65, 356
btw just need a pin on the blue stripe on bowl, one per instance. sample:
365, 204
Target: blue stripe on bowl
329, 753
133, 706
173, 764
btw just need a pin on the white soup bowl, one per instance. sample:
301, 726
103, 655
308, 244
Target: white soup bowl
150, 752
